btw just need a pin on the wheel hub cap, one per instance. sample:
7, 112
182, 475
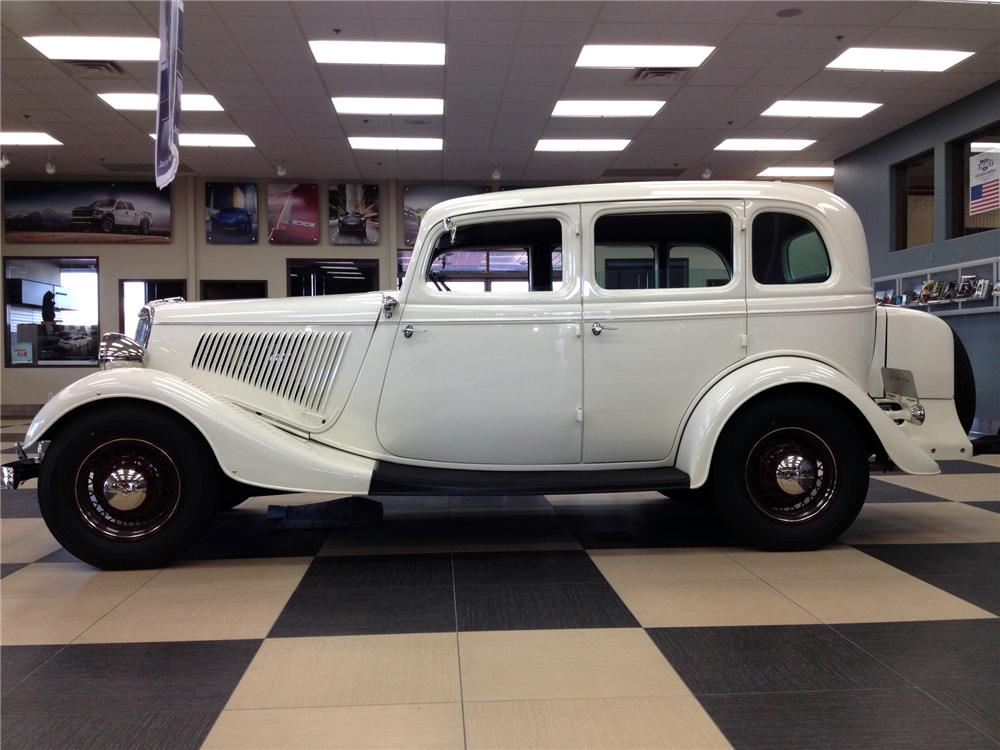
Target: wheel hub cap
795, 474
791, 475
125, 489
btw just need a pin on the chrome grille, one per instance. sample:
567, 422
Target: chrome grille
299, 366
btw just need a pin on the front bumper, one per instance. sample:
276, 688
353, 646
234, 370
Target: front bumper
24, 468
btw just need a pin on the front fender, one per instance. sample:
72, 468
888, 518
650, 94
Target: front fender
716, 407
247, 448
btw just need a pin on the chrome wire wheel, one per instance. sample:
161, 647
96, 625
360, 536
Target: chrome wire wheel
127, 489
791, 475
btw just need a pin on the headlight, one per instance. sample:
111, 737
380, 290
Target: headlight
118, 350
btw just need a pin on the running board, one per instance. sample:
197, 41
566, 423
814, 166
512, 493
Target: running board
402, 479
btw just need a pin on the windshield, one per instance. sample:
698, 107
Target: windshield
103, 203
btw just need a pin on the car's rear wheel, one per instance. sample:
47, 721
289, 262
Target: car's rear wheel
144, 226
128, 489
790, 473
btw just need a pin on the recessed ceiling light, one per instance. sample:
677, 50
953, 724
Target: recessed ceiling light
221, 140
375, 105
371, 143
378, 53
27, 139
642, 56
612, 108
978, 146
802, 108
764, 144
96, 47
582, 144
882, 58
148, 102
797, 172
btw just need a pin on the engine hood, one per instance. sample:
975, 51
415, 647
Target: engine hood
329, 309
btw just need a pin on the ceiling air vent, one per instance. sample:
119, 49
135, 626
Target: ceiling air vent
658, 76
129, 168
644, 174
91, 68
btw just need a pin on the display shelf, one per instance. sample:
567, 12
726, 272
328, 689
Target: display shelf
982, 267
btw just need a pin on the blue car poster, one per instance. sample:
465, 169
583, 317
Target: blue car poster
231, 213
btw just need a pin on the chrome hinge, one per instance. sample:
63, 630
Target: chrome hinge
389, 304
579, 414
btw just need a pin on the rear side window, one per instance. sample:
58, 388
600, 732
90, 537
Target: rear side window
788, 249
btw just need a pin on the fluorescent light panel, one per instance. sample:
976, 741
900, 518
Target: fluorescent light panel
219, 140
370, 143
609, 108
374, 105
582, 144
978, 146
764, 144
27, 139
797, 172
883, 58
378, 53
804, 108
148, 102
96, 47
642, 56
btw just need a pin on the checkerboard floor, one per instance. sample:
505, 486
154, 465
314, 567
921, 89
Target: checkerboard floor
591, 621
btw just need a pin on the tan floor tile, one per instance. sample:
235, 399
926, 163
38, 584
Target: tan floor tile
988, 459
833, 562
874, 526
351, 670
664, 565
710, 602
227, 576
884, 599
961, 487
188, 617
436, 726
601, 723
72, 579
57, 619
24, 540
964, 522
526, 664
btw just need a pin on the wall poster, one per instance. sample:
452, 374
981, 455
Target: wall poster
231, 213
418, 198
354, 214
293, 213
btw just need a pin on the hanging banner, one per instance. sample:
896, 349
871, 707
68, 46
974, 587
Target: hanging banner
984, 182
169, 86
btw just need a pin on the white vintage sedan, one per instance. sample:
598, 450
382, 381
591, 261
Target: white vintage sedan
712, 340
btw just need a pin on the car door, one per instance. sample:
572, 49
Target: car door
123, 217
486, 365
664, 313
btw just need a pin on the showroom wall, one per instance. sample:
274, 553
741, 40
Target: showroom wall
864, 179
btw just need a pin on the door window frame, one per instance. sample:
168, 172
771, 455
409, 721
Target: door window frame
758, 289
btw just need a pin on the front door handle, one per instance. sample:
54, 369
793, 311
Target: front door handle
410, 330
597, 328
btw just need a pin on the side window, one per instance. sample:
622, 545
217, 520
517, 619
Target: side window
120, 205
129, 206
498, 256
663, 250
788, 249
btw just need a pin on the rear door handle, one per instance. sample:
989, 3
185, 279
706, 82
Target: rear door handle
410, 330
597, 328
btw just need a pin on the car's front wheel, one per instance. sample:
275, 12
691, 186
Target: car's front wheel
790, 473
130, 488
107, 225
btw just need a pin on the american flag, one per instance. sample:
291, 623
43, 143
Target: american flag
985, 197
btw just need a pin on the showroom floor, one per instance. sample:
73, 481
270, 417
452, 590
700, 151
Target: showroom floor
627, 621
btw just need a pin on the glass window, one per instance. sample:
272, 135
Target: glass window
134, 293
914, 201
233, 290
663, 250
307, 278
500, 256
975, 198
51, 311
402, 263
788, 249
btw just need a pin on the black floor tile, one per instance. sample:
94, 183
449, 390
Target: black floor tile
19, 504
769, 659
7, 568
993, 505
977, 704
856, 719
982, 591
956, 467
247, 534
941, 651
60, 555
9, 451
134, 677
102, 729
569, 566
12, 436
377, 570
887, 492
17, 662
541, 607
367, 611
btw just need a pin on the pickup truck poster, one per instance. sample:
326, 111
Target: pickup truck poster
86, 212
984, 182
231, 213
418, 198
293, 213
354, 214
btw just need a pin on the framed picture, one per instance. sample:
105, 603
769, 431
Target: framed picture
231, 213
90, 212
354, 214
982, 289
293, 213
418, 198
